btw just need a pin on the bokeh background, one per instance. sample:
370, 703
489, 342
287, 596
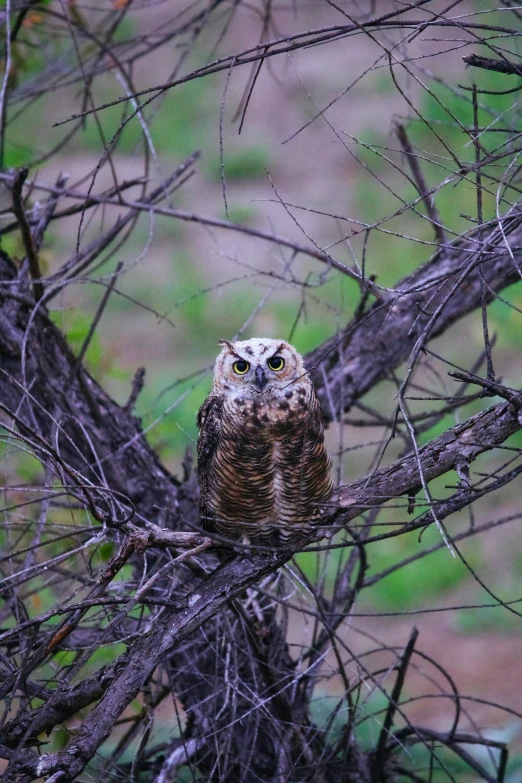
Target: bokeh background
311, 156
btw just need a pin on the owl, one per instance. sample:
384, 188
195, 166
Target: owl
263, 468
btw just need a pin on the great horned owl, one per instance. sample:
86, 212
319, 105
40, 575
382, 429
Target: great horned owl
262, 464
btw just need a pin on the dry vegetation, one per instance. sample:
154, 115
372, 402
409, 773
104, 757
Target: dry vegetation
344, 175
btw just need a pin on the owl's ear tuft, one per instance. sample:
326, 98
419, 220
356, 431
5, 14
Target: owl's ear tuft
227, 343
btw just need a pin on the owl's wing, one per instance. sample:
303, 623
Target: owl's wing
320, 482
209, 420
315, 410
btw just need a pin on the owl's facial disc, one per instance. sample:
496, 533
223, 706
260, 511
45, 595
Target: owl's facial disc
257, 367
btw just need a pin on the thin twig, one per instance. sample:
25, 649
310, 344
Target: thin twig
19, 211
501, 66
380, 751
95, 321
5, 81
421, 184
137, 385
480, 220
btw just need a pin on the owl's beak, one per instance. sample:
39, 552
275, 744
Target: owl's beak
261, 379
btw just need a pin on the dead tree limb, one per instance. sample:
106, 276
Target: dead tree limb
367, 351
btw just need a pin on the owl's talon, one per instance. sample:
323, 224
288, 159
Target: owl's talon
244, 549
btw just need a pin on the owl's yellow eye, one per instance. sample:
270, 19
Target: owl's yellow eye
240, 367
276, 363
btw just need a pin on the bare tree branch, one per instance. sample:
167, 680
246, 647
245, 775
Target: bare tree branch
133, 646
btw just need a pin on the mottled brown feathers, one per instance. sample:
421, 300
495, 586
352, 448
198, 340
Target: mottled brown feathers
262, 464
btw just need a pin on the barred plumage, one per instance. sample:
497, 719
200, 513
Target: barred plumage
262, 464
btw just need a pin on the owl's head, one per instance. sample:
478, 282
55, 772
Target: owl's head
258, 366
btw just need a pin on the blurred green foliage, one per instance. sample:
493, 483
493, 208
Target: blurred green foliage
177, 121
245, 162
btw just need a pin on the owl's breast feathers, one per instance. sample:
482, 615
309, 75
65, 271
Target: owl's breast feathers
263, 467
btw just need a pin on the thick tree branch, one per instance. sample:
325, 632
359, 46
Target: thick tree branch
370, 348
460, 444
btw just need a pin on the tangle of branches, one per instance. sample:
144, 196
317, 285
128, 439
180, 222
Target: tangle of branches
131, 647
